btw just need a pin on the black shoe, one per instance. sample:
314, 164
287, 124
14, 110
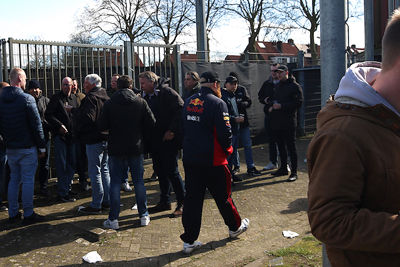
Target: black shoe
292, 177
89, 210
105, 207
178, 211
280, 172
253, 172
67, 198
72, 193
236, 178
34, 218
16, 218
160, 207
236, 170
43, 192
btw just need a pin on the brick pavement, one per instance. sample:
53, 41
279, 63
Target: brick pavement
271, 204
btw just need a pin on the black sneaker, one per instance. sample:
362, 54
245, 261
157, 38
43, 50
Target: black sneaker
105, 207
236, 178
236, 170
89, 210
34, 218
253, 172
160, 207
280, 172
16, 218
72, 193
67, 198
292, 177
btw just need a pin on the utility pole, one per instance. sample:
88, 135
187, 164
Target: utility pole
202, 53
369, 29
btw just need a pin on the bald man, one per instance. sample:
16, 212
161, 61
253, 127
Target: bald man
22, 131
60, 117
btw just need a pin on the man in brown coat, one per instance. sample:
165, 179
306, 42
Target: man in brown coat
353, 161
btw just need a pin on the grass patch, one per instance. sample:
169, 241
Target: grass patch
306, 252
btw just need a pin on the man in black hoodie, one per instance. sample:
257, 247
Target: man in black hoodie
86, 119
166, 139
127, 117
41, 103
282, 106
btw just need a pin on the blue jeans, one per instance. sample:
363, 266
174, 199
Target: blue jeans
3, 160
245, 139
118, 169
98, 173
23, 164
65, 165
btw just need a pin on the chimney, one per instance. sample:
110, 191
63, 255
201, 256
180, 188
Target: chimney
186, 52
279, 46
290, 41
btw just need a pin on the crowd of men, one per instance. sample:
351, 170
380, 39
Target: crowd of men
108, 132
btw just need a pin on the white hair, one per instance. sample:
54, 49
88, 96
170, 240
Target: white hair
94, 79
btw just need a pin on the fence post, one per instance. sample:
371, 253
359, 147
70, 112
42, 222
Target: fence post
11, 52
178, 69
300, 64
1, 59
129, 58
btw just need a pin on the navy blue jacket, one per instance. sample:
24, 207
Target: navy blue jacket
233, 110
207, 131
20, 123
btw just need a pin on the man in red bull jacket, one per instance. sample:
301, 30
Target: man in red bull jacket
206, 146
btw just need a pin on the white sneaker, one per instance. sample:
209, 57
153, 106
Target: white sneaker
111, 224
243, 227
270, 166
126, 187
188, 248
144, 220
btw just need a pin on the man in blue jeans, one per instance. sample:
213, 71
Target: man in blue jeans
86, 120
127, 117
22, 131
59, 115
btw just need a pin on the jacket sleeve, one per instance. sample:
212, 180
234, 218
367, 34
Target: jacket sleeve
86, 114
335, 194
35, 123
246, 100
51, 112
176, 103
103, 123
296, 98
223, 127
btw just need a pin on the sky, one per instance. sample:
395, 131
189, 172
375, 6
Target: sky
54, 20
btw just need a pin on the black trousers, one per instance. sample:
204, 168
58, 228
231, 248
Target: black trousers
286, 139
273, 153
165, 164
218, 182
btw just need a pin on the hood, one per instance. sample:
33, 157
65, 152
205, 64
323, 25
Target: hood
163, 82
100, 93
124, 96
355, 88
9, 93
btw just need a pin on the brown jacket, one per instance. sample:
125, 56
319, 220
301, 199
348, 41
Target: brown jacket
354, 189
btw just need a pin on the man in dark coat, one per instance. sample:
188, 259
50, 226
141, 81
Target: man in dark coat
41, 103
166, 139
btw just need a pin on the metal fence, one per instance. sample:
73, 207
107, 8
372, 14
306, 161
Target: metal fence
50, 62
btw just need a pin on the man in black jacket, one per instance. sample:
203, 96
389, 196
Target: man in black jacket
206, 145
282, 107
86, 119
166, 139
128, 119
41, 103
59, 115
265, 94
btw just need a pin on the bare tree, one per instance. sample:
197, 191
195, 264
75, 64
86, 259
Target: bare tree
169, 18
116, 19
305, 14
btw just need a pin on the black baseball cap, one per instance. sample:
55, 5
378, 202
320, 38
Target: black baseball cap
209, 77
231, 79
33, 84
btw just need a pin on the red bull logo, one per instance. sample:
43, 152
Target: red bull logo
196, 102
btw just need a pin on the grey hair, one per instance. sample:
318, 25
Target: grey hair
94, 79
